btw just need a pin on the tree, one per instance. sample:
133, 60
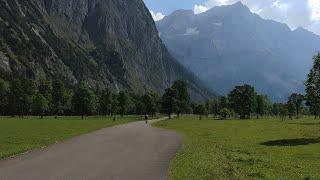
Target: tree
140, 107
59, 97
114, 105
84, 101
106, 101
169, 103
295, 104
123, 100
40, 105
242, 100
4, 95
21, 96
149, 103
313, 87
263, 105
283, 110
45, 89
200, 110
276, 109
182, 96
224, 102
224, 113
214, 107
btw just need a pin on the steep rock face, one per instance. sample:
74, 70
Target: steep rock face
228, 45
107, 43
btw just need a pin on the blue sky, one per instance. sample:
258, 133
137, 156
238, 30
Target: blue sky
168, 6
294, 13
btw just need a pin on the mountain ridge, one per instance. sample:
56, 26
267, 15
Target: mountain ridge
106, 43
229, 45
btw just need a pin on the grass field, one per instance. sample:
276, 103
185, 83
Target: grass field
246, 149
22, 135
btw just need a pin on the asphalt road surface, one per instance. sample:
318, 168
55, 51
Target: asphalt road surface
125, 152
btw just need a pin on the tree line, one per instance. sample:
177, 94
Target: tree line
244, 101
23, 97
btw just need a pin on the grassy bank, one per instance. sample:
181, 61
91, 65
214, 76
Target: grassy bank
250, 149
21, 135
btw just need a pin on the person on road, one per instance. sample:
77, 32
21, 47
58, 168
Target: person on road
146, 118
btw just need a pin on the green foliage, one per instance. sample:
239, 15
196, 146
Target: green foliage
214, 107
45, 89
114, 105
200, 110
313, 87
84, 101
276, 109
106, 101
21, 96
40, 105
263, 105
124, 102
182, 96
169, 102
224, 113
283, 110
242, 100
295, 105
4, 95
149, 102
59, 97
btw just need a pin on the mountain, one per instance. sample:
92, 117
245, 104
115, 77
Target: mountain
229, 45
106, 43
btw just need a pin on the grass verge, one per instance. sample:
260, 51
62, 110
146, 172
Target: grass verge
22, 135
246, 149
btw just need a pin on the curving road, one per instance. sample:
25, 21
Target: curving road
132, 151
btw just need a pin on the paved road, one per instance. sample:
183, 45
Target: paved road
126, 152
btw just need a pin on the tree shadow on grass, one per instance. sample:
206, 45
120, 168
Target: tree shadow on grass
307, 124
292, 142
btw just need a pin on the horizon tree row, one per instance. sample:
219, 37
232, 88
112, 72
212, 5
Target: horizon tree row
244, 102
23, 97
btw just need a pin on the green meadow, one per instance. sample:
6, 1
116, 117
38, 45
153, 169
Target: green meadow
19, 135
246, 149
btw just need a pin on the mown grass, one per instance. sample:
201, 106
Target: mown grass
246, 149
21, 135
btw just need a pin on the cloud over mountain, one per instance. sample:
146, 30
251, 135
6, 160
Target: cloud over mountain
229, 45
297, 13
157, 16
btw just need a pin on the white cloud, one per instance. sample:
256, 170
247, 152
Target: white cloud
295, 13
192, 31
199, 9
315, 6
157, 16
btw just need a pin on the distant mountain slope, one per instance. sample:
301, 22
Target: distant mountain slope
229, 45
107, 43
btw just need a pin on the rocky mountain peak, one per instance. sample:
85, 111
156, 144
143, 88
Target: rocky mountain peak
228, 45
